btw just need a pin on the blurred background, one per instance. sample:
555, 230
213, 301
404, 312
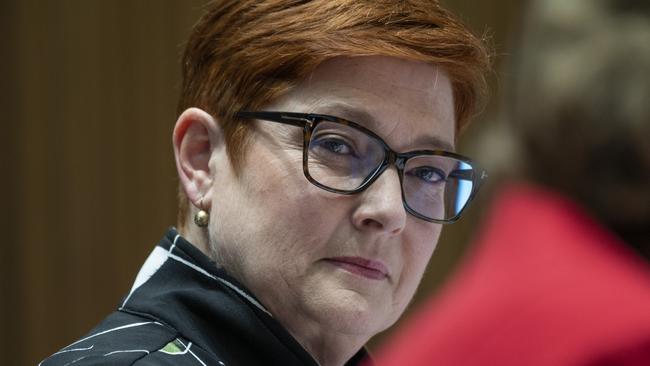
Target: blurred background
88, 105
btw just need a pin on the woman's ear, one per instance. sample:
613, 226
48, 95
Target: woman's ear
197, 135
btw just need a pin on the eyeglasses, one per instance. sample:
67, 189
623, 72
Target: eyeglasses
344, 157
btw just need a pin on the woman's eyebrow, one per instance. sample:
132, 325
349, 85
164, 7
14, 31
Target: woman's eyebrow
435, 141
348, 112
366, 119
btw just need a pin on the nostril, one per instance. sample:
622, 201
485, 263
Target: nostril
372, 223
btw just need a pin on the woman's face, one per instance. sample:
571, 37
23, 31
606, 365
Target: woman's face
323, 262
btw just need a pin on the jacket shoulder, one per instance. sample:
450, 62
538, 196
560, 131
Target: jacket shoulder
121, 339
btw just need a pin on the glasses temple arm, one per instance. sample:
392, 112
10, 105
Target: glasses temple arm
295, 119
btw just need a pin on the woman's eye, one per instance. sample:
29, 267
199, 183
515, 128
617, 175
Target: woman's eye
336, 146
428, 174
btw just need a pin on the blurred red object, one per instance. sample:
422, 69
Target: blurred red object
544, 285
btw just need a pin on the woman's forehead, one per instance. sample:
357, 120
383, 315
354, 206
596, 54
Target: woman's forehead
427, 137
378, 71
410, 102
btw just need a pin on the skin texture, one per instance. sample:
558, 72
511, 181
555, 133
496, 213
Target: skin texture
278, 234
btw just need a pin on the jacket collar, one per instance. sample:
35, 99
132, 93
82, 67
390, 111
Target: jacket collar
180, 286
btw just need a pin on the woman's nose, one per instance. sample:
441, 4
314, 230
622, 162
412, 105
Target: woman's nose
380, 206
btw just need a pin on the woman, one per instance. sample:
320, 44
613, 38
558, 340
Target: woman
314, 149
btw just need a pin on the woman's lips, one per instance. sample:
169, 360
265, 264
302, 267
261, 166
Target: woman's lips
361, 266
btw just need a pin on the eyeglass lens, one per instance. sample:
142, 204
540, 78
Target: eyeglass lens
343, 158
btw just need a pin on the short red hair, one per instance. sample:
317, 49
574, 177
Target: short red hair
242, 54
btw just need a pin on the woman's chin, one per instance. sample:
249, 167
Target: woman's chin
347, 311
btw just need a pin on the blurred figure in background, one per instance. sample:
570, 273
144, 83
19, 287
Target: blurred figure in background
560, 273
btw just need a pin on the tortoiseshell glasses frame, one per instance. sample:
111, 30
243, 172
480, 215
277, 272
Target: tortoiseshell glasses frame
467, 173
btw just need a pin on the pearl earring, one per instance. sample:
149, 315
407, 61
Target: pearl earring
201, 218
